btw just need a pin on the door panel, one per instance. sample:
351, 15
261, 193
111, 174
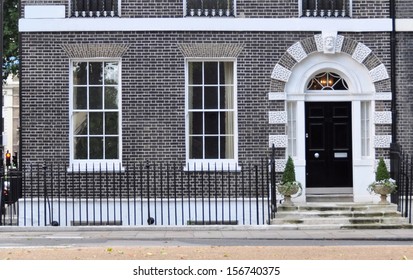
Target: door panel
328, 144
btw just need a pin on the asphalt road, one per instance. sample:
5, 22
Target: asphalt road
99, 241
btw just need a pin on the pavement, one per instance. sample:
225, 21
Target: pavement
267, 232
202, 243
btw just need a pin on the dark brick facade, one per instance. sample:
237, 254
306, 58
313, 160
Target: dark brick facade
404, 89
153, 86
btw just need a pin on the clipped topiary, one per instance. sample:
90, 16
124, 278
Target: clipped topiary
289, 172
383, 185
288, 185
382, 173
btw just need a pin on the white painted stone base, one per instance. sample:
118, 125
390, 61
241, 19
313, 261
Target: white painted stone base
135, 213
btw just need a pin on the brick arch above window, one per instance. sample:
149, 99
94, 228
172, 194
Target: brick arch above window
95, 50
211, 50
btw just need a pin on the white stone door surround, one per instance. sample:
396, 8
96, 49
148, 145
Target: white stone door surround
361, 88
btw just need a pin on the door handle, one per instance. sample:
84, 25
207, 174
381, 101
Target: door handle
316, 155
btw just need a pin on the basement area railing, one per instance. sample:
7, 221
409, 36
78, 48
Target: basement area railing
138, 194
402, 171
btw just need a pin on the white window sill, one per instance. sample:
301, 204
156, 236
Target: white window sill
95, 166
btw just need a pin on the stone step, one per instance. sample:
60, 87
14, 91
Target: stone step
324, 207
336, 214
340, 220
341, 226
339, 216
329, 198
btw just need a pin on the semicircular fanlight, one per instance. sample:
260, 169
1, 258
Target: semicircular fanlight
327, 81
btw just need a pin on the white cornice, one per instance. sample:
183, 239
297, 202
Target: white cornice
404, 25
204, 24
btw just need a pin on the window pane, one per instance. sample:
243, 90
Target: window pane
226, 73
195, 73
226, 123
211, 73
195, 98
80, 147
79, 73
96, 123
211, 97
111, 123
211, 123
195, 147
111, 148
96, 148
226, 97
111, 98
79, 98
95, 73
195, 123
80, 123
95, 98
226, 147
111, 73
211, 147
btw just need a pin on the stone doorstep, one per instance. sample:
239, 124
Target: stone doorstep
337, 207
339, 216
339, 220
342, 227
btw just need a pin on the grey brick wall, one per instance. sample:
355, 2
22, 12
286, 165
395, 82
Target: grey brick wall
404, 70
404, 9
153, 87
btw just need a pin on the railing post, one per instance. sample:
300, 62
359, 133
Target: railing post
395, 169
273, 189
150, 220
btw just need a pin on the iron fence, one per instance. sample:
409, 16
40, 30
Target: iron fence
138, 194
402, 172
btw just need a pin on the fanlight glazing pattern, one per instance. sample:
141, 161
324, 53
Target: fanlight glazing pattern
327, 81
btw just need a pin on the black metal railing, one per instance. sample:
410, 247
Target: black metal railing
325, 8
402, 172
94, 8
210, 8
139, 194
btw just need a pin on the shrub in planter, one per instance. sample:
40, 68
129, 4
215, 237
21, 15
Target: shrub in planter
288, 185
383, 185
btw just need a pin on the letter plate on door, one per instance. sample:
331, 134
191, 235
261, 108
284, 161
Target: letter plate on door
340, 155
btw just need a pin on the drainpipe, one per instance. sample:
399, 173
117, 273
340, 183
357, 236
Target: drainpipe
394, 146
393, 69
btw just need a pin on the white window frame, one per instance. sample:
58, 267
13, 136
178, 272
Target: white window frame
365, 128
211, 164
95, 164
292, 128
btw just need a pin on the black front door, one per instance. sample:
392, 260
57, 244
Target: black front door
328, 145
